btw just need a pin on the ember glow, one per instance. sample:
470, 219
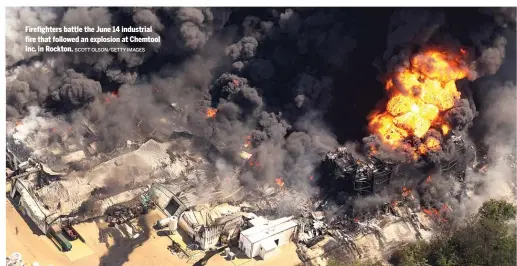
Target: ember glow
436, 214
418, 96
279, 182
210, 112
406, 192
247, 143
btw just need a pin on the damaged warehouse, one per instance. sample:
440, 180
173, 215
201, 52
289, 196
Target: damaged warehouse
65, 194
209, 227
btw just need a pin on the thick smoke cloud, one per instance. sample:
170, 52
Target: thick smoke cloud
16, 21
272, 75
75, 90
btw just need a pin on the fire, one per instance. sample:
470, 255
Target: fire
247, 143
418, 95
210, 112
428, 180
430, 144
253, 163
19, 123
445, 208
406, 192
437, 214
235, 82
428, 212
279, 182
113, 94
445, 129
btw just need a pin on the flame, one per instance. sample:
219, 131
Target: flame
19, 123
247, 143
428, 212
235, 82
445, 129
394, 203
279, 182
437, 214
430, 144
418, 95
428, 180
406, 192
113, 94
253, 163
210, 112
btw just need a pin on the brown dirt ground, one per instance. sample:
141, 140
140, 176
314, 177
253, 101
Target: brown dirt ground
153, 251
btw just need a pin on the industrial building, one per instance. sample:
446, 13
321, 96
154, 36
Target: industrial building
45, 194
211, 226
264, 237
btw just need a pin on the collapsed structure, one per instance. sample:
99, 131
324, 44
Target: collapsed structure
343, 172
84, 195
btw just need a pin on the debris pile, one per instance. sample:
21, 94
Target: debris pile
121, 213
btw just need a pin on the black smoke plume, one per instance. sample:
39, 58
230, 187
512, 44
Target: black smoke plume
295, 80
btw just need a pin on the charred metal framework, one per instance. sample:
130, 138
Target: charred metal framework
371, 175
16, 153
361, 177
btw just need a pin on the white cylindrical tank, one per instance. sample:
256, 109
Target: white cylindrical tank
163, 222
173, 224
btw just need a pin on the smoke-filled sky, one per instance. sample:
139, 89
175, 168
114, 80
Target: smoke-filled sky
294, 82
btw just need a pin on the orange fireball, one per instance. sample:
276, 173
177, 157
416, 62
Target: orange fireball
279, 182
210, 112
419, 94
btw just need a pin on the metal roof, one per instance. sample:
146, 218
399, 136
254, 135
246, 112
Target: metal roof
260, 232
268, 245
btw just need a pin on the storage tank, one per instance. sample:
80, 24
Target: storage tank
163, 223
173, 224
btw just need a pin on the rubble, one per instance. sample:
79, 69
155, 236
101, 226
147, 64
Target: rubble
122, 213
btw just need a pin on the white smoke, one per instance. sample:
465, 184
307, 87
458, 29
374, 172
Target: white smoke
34, 130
